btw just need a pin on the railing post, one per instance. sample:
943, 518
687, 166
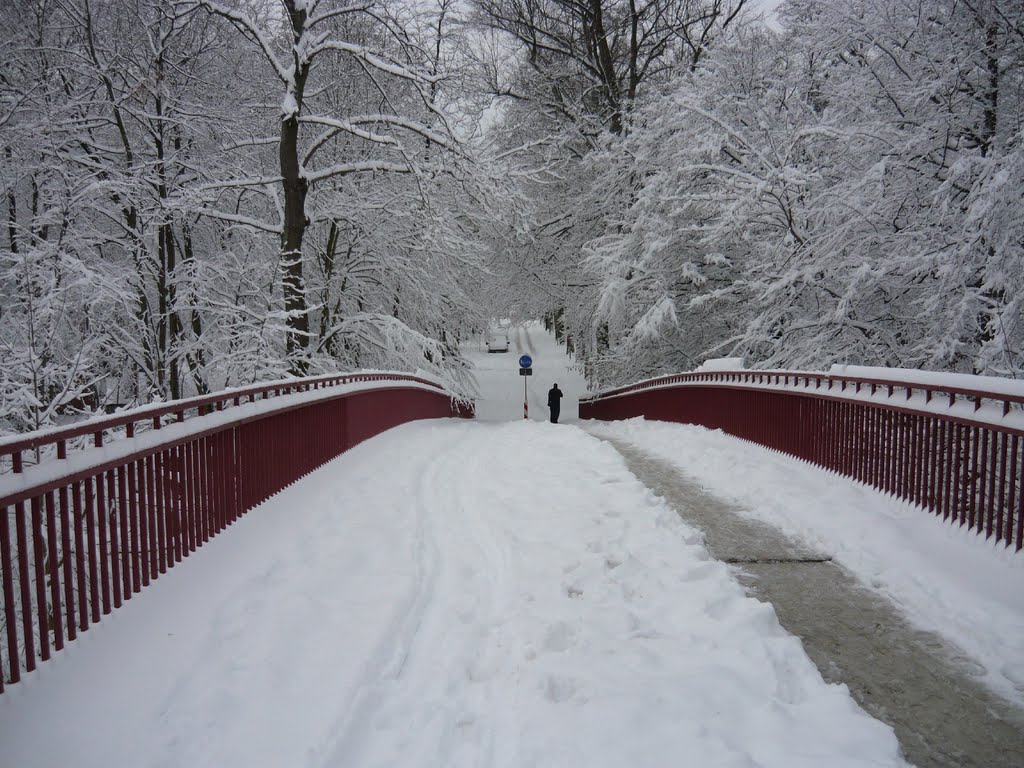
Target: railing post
80, 557
981, 511
112, 598
90, 529
66, 518
101, 524
10, 614
1006, 469
54, 573
38, 559
21, 532
949, 479
1018, 470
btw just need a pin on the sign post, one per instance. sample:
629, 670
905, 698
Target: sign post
525, 369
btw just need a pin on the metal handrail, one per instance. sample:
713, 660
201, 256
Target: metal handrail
80, 534
12, 447
782, 378
963, 463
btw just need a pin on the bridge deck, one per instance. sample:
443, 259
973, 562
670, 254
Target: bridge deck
476, 594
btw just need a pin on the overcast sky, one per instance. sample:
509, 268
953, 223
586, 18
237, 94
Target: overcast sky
767, 6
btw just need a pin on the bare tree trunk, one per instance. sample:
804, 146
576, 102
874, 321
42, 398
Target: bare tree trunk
196, 364
12, 212
606, 64
295, 190
992, 96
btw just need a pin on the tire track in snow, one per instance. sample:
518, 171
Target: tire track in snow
421, 707
355, 729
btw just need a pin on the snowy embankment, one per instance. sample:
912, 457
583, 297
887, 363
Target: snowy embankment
945, 578
445, 594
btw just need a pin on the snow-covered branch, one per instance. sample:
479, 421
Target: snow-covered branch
365, 166
319, 18
374, 60
252, 30
247, 221
352, 126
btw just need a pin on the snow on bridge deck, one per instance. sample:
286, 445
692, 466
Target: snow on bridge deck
445, 594
489, 594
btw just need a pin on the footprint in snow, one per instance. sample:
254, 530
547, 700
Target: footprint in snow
559, 637
559, 689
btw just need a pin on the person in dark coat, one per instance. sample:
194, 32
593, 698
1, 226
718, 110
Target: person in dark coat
555, 402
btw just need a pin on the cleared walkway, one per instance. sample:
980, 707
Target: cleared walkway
910, 679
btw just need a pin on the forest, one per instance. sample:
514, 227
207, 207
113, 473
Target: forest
199, 194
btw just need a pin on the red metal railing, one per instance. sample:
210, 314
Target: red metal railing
956, 452
92, 527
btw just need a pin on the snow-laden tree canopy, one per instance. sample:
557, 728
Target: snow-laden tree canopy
847, 189
202, 193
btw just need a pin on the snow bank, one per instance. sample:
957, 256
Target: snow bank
721, 364
947, 579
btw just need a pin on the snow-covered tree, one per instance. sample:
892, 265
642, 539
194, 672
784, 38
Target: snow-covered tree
358, 106
836, 193
580, 71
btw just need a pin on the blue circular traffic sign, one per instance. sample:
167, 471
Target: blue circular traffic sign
525, 361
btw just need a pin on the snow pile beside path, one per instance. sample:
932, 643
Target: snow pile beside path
445, 594
947, 579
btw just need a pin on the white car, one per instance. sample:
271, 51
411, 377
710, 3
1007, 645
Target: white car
497, 341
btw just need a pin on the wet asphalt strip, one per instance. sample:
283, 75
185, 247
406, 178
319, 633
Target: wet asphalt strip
913, 680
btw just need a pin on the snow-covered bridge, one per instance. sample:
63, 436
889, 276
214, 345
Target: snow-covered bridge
506, 592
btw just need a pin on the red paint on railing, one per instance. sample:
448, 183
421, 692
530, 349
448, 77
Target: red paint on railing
962, 464
86, 540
